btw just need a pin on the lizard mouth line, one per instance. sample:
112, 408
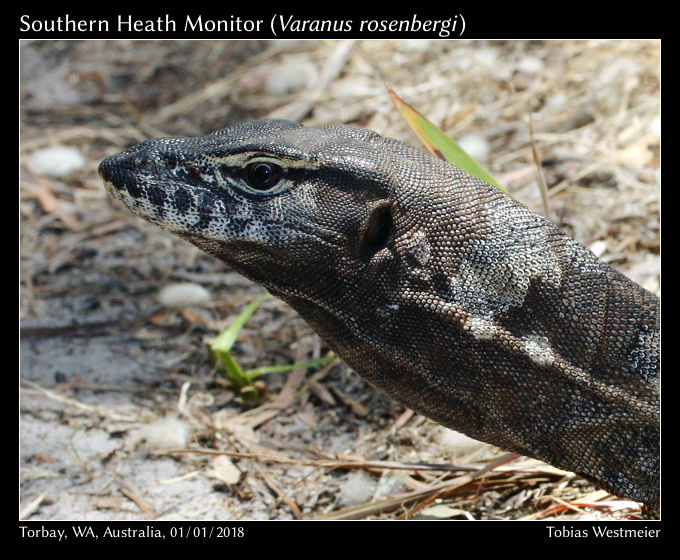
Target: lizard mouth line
153, 212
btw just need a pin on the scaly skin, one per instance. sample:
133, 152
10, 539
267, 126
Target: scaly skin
439, 289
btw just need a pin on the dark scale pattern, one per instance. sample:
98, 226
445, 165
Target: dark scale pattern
439, 289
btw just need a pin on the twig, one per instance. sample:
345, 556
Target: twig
108, 482
213, 91
130, 492
325, 463
571, 180
280, 493
297, 110
60, 398
30, 508
540, 178
358, 512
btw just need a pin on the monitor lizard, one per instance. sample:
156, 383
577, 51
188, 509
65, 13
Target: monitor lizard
439, 289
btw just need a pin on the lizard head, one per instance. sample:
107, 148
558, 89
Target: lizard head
278, 202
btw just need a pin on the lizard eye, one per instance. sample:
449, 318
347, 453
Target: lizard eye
263, 175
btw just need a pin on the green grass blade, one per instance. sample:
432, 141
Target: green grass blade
232, 371
251, 373
225, 340
438, 143
220, 354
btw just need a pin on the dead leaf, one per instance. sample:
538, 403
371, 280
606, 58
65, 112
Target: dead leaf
224, 470
52, 205
112, 502
308, 415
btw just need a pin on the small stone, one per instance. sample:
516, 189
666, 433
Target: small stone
475, 145
291, 77
56, 161
530, 65
183, 295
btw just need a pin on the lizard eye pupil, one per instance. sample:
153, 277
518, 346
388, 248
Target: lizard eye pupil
262, 176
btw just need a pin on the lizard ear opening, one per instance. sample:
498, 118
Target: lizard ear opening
378, 233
